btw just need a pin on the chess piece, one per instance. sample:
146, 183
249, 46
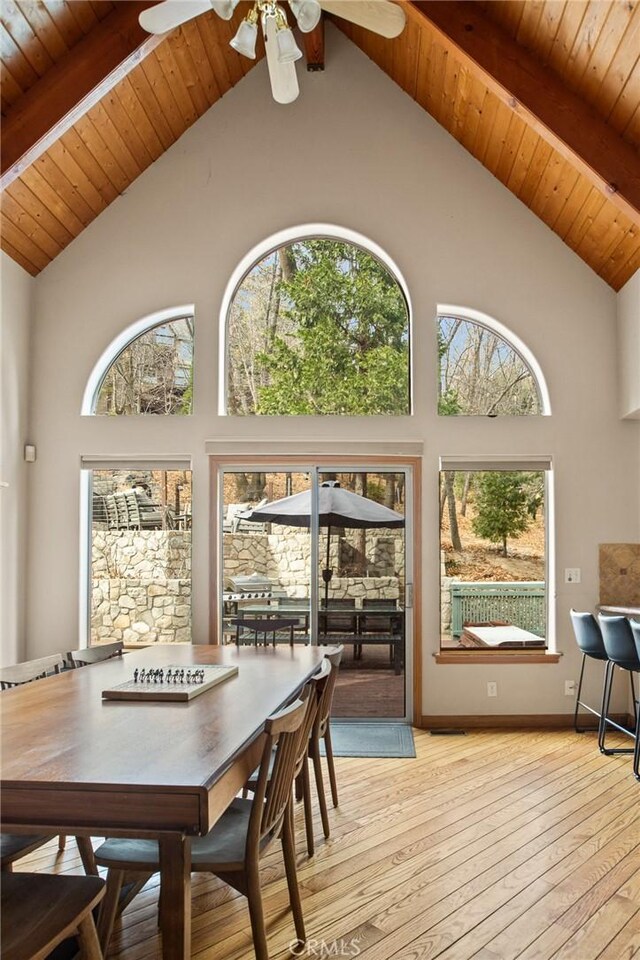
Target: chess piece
135, 675
188, 676
169, 675
143, 675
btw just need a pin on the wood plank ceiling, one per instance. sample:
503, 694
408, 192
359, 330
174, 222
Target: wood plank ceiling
591, 46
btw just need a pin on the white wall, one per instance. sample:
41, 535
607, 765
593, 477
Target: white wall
354, 151
15, 331
629, 347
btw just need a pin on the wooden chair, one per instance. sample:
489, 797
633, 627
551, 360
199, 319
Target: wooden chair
313, 691
321, 730
233, 847
13, 845
39, 911
102, 651
30, 670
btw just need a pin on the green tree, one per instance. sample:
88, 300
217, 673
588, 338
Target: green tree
344, 346
502, 506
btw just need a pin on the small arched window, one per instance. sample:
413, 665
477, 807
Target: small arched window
318, 325
148, 369
484, 370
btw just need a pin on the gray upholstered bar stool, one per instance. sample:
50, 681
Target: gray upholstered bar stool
622, 653
635, 630
589, 640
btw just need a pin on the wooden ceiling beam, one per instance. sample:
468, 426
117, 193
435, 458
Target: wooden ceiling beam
72, 86
314, 47
538, 95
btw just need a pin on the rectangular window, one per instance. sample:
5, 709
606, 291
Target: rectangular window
494, 555
139, 553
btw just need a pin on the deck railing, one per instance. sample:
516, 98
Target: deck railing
523, 604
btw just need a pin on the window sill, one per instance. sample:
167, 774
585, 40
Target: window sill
513, 656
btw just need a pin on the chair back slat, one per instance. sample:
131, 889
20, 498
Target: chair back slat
102, 651
30, 670
325, 703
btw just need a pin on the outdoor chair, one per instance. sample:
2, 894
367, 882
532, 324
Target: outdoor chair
589, 639
233, 847
14, 846
622, 653
96, 654
39, 911
635, 630
321, 731
258, 631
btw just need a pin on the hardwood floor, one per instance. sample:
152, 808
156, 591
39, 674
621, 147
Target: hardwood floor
494, 846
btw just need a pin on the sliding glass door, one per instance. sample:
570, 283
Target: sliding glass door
322, 554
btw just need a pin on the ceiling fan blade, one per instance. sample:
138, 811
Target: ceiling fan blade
170, 14
283, 76
380, 16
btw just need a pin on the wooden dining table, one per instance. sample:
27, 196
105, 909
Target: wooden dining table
75, 763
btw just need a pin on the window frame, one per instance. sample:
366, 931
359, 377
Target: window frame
283, 238
119, 344
518, 346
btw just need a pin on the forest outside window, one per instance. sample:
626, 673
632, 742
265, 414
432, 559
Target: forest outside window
151, 374
481, 373
494, 552
318, 326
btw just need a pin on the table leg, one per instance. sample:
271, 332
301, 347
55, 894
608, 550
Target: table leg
175, 879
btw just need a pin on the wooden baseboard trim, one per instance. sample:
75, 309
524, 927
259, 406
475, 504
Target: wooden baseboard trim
513, 721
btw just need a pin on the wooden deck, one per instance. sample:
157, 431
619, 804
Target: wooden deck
369, 687
495, 846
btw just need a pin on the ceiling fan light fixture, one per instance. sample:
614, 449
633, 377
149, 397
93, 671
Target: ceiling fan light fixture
307, 14
245, 39
224, 8
288, 49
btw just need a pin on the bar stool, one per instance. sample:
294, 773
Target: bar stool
589, 640
635, 630
621, 650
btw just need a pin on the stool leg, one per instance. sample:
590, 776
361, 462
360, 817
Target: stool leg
575, 714
636, 751
606, 697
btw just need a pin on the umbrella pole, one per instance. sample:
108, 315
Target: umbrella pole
328, 572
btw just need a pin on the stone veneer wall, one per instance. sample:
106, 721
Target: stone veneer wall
141, 586
284, 558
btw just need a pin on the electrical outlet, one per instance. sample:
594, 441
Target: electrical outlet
492, 689
572, 574
569, 688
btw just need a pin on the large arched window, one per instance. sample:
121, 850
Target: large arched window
484, 370
318, 325
147, 369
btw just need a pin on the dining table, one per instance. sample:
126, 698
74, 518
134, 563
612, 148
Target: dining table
75, 763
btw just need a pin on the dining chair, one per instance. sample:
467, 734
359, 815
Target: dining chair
258, 630
589, 639
321, 732
20, 673
39, 911
635, 631
14, 846
233, 847
95, 654
622, 653
313, 690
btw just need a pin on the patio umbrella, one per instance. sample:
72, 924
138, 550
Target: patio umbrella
336, 508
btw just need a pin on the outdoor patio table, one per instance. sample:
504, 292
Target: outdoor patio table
75, 763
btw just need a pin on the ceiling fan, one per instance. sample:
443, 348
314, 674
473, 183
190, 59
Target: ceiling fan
381, 16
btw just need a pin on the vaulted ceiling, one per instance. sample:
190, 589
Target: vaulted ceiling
544, 93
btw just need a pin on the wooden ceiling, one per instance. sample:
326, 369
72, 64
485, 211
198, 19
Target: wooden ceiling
544, 93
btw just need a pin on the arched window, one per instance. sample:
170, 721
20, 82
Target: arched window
318, 325
484, 370
148, 369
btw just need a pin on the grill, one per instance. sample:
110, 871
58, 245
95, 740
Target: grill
252, 587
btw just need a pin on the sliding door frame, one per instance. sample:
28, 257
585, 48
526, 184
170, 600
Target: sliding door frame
221, 463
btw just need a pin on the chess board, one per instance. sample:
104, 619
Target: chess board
177, 683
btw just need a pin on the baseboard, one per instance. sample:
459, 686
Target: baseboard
515, 721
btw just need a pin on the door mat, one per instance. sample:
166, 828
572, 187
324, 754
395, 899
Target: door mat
371, 740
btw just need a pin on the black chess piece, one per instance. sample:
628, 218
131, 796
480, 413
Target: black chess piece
135, 675
182, 676
169, 675
188, 676
143, 675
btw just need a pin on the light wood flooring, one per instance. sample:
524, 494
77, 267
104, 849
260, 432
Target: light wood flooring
495, 845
